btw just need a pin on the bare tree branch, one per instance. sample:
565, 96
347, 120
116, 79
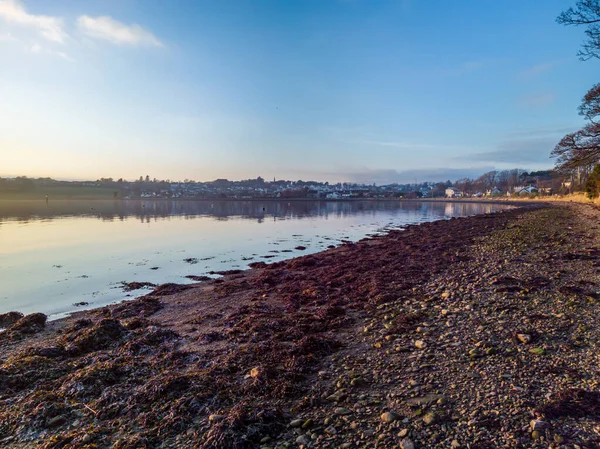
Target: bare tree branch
586, 13
578, 149
590, 104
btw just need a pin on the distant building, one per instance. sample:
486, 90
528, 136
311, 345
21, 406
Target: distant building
451, 192
527, 190
493, 192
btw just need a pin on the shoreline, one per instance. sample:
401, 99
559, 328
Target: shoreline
285, 200
334, 349
301, 228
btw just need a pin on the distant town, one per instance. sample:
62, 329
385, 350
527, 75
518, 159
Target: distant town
491, 184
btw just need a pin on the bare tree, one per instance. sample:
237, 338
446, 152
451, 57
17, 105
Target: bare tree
590, 105
578, 149
465, 185
586, 13
502, 179
515, 177
488, 180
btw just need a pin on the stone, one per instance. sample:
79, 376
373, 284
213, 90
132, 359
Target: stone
474, 353
308, 424
537, 424
536, 434
336, 397
430, 418
57, 421
537, 351
341, 411
297, 423
403, 433
303, 440
330, 430
446, 295
455, 444
215, 418
406, 444
524, 338
420, 344
388, 417
425, 400
357, 382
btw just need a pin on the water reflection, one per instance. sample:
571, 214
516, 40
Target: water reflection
147, 211
80, 251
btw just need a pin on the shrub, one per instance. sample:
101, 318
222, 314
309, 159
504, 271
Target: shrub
592, 186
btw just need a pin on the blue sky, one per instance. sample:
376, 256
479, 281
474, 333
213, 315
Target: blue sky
357, 90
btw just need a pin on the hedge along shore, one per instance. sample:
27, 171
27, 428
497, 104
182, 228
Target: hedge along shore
477, 332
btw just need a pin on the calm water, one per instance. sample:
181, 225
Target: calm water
66, 252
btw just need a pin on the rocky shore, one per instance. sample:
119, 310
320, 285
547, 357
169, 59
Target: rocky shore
477, 332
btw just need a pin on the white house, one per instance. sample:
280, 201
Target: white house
527, 190
451, 192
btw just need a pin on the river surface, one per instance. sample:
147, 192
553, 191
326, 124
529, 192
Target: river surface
53, 256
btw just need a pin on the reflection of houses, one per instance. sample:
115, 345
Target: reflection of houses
426, 191
451, 192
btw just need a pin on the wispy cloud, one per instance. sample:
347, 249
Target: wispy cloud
536, 100
7, 37
389, 176
544, 131
413, 146
472, 66
543, 67
516, 152
109, 29
64, 56
38, 49
49, 27
366, 137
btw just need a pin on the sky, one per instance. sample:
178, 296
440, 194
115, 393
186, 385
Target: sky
336, 90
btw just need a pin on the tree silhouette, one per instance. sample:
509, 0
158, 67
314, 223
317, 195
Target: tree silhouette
586, 13
578, 149
590, 105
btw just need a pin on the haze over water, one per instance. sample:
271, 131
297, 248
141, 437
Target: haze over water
80, 251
